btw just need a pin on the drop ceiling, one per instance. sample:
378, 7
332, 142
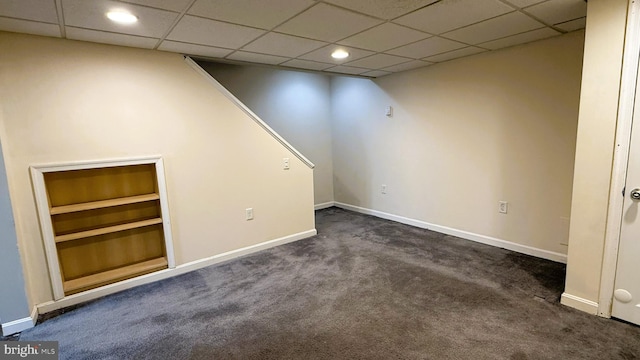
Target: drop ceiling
382, 36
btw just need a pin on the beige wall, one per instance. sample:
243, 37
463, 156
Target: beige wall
66, 101
295, 104
604, 43
466, 134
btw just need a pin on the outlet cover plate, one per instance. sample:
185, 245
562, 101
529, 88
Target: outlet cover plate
503, 207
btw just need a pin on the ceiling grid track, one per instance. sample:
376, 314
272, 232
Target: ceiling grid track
382, 36
164, 36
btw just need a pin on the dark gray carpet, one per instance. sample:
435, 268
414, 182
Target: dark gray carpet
364, 288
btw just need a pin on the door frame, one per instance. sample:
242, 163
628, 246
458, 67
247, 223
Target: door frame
628, 83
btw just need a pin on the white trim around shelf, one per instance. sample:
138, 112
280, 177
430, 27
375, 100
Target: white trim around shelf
164, 210
98, 163
46, 228
42, 204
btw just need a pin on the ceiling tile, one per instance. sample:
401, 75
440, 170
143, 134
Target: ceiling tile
257, 58
173, 5
378, 61
214, 33
283, 45
447, 15
376, 73
222, 26
573, 24
327, 23
342, 69
192, 49
524, 3
29, 27
505, 25
91, 15
36, 10
384, 9
306, 64
324, 54
264, 14
427, 47
408, 66
110, 38
471, 50
520, 38
557, 11
384, 37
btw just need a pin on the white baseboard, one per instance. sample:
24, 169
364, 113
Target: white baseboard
579, 303
194, 265
524, 249
167, 273
16, 326
324, 205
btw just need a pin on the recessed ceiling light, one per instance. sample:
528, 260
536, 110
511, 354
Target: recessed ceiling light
122, 17
339, 54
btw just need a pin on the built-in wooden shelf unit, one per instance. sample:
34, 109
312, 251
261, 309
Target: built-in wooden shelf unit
103, 222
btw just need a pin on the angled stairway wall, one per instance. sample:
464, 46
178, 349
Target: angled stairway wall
464, 135
296, 104
66, 101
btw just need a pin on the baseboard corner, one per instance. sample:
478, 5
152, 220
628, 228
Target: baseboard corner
579, 303
325, 205
16, 326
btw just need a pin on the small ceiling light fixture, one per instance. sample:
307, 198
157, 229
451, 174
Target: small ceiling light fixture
122, 17
339, 54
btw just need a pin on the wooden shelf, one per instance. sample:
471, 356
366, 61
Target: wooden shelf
111, 276
102, 204
107, 230
102, 221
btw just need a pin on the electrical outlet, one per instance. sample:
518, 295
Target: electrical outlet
383, 189
503, 207
249, 213
285, 164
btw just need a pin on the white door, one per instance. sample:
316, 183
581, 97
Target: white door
626, 299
